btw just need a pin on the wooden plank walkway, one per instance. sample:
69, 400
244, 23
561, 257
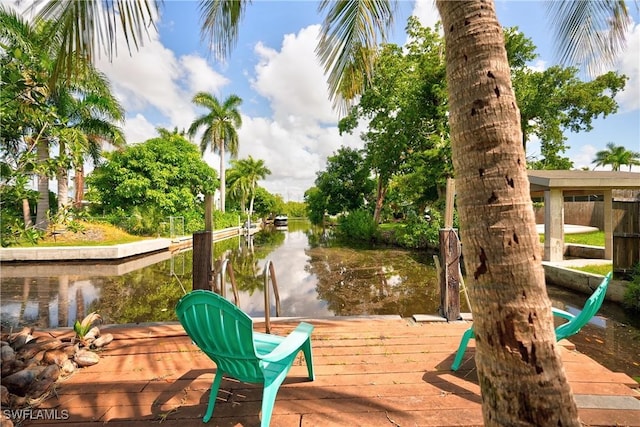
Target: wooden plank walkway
369, 372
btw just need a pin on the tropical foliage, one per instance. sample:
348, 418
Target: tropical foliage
344, 186
617, 156
243, 180
78, 114
220, 124
143, 185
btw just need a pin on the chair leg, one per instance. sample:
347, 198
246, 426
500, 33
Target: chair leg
308, 358
268, 400
464, 341
214, 394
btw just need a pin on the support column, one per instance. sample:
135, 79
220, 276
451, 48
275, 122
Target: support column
553, 225
608, 225
202, 272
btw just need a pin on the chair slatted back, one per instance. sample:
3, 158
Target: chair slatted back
223, 332
591, 307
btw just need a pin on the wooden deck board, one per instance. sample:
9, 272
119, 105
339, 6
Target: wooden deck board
369, 372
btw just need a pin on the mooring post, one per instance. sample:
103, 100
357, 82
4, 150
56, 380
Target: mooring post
450, 274
202, 272
449, 260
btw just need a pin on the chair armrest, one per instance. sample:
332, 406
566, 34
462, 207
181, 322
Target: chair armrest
292, 343
562, 313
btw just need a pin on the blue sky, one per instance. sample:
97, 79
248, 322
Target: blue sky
287, 117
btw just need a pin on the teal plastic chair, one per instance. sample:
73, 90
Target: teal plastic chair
573, 325
225, 334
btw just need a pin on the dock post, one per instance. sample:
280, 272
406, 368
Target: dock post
202, 273
450, 274
450, 260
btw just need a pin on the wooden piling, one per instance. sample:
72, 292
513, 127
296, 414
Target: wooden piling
450, 274
202, 272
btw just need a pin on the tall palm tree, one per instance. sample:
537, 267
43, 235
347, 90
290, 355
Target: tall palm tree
617, 156
520, 372
91, 114
247, 173
521, 376
220, 134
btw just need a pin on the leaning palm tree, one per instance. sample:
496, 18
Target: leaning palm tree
249, 171
220, 125
237, 186
616, 156
521, 376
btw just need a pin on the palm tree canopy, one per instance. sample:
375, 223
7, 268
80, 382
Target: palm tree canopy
253, 170
616, 156
349, 40
220, 22
589, 33
220, 123
86, 28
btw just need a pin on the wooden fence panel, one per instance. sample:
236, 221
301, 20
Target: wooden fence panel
626, 236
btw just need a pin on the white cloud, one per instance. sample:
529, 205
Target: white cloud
154, 82
301, 132
201, 77
583, 156
139, 129
293, 80
426, 12
629, 64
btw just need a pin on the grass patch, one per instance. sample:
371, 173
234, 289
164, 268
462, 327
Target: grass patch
593, 238
601, 269
89, 234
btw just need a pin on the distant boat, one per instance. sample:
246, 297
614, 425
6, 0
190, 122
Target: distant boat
280, 220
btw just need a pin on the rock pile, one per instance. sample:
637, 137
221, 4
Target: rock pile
32, 365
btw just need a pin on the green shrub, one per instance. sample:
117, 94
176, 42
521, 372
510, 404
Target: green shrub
632, 293
420, 233
357, 225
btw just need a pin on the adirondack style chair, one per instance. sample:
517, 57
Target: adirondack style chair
225, 334
572, 326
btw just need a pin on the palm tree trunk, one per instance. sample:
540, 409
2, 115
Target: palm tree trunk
222, 178
79, 184
26, 213
521, 375
63, 188
42, 207
253, 196
62, 176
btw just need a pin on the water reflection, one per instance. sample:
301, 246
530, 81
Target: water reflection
315, 279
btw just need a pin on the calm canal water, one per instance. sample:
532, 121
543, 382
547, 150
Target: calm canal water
315, 279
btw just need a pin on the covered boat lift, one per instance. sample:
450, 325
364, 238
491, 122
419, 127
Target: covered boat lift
554, 185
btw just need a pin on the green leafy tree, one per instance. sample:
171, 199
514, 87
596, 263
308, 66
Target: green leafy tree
267, 204
316, 202
617, 156
345, 183
158, 178
220, 125
556, 100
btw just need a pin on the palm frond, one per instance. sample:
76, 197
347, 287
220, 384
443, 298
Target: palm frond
589, 33
219, 22
86, 28
348, 41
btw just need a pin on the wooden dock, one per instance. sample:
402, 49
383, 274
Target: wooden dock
382, 371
